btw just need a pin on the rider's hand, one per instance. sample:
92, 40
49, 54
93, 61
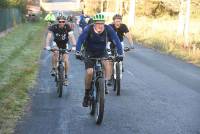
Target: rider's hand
78, 55
48, 48
120, 58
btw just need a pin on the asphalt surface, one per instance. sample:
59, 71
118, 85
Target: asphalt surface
160, 95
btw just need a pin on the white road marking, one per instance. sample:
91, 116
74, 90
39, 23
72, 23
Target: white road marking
129, 72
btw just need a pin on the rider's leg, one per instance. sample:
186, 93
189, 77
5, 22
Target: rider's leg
54, 59
107, 74
66, 61
54, 62
88, 79
108, 69
66, 66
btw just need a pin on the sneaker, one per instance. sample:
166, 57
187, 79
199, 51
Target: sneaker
66, 81
109, 82
53, 72
86, 99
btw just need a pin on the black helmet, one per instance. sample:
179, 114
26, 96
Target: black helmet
117, 16
61, 18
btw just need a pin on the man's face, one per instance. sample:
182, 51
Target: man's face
117, 23
99, 26
61, 23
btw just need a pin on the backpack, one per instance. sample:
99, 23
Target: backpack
90, 35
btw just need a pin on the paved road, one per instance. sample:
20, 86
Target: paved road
160, 95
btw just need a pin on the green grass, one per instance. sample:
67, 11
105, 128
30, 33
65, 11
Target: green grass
160, 34
19, 54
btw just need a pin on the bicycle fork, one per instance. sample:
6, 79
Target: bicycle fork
115, 69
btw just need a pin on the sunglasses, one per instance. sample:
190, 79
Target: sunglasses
61, 21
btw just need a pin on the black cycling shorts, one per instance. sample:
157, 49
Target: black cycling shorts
90, 63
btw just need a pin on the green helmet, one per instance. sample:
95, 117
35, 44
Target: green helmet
99, 17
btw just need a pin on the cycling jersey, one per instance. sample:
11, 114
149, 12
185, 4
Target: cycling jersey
96, 43
61, 34
120, 31
50, 18
83, 23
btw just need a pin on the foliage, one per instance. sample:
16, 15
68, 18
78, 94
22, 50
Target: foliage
12, 3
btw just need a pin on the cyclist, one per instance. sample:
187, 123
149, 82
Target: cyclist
50, 18
71, 20
121, 30
84, 21
95, 37
61, 33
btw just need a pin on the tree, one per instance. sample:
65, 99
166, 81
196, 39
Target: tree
183, 23
131, 16
187, 21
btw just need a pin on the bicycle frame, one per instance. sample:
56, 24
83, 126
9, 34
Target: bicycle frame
97, 73
115, 64
97, 93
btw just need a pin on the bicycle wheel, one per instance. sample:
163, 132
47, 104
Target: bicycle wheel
100, 94
60, 81
92, 102
114, 76
115, 86
118, 80
92, 107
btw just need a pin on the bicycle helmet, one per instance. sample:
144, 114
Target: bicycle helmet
99, 17
117, 16
61, 18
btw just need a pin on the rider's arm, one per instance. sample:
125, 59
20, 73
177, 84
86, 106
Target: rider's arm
128, 35
72, 38
48, 39
82, 38
115, 39
71, 35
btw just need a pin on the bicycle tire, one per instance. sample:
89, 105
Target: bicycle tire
60, 81
92, 102
118, 80
92, 107
100, 94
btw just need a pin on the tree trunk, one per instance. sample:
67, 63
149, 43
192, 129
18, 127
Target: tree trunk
131, 16
117, 6
102, 1
187, 21
120, 7
181, 19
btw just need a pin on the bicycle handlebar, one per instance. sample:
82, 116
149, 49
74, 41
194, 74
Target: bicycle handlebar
60, 50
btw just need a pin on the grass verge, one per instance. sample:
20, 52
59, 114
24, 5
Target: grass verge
160, 34
19, 54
